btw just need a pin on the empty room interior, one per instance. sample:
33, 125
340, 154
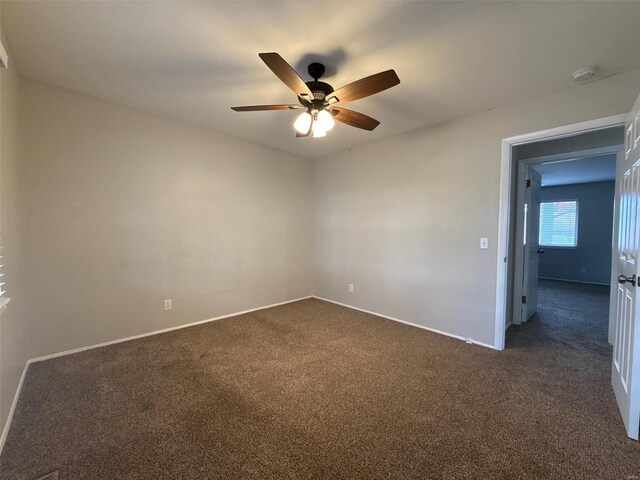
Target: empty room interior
570, 230
317, 239
573, 237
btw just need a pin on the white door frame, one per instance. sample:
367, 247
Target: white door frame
506, 169
613, 300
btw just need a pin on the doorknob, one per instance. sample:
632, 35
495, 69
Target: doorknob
540, 251
631, 279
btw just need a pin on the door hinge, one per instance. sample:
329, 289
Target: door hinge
524, 299
528, 182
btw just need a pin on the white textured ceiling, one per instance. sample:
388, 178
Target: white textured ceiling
600, 168
194, 60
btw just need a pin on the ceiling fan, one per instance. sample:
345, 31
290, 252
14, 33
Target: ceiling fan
323, 104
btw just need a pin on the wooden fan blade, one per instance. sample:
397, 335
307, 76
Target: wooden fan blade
259, 108
355, 119
364, 87
286, 73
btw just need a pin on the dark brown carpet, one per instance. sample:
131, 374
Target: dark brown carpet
313, 390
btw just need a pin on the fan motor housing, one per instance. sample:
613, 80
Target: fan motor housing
319, 89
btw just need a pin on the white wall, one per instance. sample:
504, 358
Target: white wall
401, 219
13, 322
126, 209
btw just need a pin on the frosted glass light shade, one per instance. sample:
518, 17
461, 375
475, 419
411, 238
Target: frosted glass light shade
325, 120
318, 132
303, 122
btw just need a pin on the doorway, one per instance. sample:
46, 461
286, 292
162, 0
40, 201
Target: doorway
564, 212
568, 218
510, 178
625, 267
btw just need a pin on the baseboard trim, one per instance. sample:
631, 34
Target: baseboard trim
5, 431
440, 332
157, 332
574, 281
12, 410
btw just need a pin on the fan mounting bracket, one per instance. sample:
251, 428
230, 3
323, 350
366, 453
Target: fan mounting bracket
316, 70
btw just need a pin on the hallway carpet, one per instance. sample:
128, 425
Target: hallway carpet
312, 390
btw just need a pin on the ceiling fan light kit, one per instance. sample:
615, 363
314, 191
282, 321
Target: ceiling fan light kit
303, 122
318, 122
321, 102
324, 120
317, 133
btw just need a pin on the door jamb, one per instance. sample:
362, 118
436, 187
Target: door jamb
506, 169
614, 245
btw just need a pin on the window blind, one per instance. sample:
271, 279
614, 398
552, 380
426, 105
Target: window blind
559, 224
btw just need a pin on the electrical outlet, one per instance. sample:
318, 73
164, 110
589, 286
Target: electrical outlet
167, 304
351, 287
484, 243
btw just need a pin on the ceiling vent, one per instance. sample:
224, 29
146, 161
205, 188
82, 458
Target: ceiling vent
585, 74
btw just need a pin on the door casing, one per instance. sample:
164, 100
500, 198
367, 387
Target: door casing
507, 201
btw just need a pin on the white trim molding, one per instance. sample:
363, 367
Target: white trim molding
7, 425
506, 166
4, 58
387, 317
5, 431
4, 301
164, 330
12, 410
575, 281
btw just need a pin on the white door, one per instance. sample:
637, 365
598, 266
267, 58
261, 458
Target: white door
531, 246
626, 349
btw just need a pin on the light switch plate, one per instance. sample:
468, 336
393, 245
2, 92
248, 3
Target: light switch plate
484, 243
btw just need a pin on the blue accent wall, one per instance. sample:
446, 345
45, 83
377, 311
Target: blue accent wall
591, 260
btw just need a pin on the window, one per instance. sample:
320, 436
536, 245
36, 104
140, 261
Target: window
559, 224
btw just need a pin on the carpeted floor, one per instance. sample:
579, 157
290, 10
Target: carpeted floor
312, 390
